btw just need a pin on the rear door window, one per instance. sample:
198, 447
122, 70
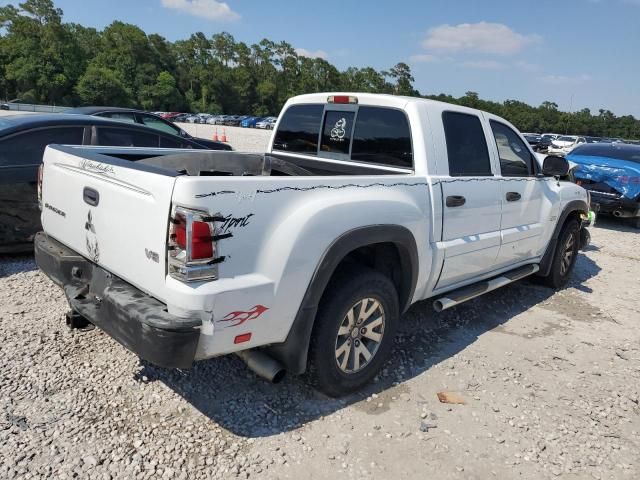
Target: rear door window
383, 136
466, 145
122, 137
299, 129
336, 133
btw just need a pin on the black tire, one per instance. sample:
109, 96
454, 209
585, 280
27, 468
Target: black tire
568, 243
348, 289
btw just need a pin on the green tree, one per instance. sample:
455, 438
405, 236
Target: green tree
103, 86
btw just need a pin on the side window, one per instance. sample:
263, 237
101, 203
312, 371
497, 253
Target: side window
515, 158
466, 145
26, 149
299, 129
159, 124
119, 116
382, 136
121, 137
168, 142
336, 133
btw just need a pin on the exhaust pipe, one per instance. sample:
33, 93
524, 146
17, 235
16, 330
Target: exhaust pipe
617, 213
263, 365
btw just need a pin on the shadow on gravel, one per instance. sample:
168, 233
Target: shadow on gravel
224, 390
16, 263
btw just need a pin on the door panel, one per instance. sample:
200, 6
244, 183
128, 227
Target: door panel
471, 199
471, 233
522, 197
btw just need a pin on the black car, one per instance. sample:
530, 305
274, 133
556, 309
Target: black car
149, 119
23, 139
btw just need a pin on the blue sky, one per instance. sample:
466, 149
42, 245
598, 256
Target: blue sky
503, 49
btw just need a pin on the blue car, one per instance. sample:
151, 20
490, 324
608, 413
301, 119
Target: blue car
250, 122
611, 174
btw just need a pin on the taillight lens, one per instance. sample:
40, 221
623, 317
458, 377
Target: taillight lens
201, 241
191, 246
40, 174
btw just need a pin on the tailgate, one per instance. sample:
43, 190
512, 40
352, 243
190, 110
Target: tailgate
113, 212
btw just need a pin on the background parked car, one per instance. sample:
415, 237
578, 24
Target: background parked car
267, 123
563, 145
534, 140
250, 122
23, 139
148, 119
611, 173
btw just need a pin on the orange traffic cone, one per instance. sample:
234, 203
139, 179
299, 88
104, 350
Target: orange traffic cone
215, 136
223, 138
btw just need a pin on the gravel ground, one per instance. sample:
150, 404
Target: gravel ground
550, 383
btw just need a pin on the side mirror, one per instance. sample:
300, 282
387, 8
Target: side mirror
184, 134
555, 166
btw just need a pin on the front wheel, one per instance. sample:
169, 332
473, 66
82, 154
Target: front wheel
353, 332
565, 255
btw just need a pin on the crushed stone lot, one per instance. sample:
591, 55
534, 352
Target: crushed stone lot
550, 384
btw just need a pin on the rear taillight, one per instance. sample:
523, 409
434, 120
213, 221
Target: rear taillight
40, 174
191, 246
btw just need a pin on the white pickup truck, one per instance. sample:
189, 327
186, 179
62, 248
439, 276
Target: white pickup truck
305, 257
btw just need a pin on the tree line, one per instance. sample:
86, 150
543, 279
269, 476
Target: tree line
45, 60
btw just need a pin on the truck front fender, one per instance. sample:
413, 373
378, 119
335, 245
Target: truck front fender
575, 206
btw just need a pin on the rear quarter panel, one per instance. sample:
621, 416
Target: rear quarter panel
281, 229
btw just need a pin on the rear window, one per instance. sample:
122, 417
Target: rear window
382, 135
336, 134
466, 145
299, 129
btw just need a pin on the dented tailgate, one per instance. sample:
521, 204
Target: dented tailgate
112, 211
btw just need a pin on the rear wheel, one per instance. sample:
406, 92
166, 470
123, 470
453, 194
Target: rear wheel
353, 332
565, 255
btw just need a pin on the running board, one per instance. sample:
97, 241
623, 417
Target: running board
463, 294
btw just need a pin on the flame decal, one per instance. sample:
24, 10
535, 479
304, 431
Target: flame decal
239, 317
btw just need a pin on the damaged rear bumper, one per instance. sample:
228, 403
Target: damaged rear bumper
136, 320
615, 204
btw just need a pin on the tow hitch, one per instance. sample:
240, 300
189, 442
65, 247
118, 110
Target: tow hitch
76, 321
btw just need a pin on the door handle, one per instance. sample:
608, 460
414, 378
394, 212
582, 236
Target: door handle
456, 201
513, 196
91, 196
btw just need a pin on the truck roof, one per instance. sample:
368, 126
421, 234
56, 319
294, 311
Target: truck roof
378, 99
383, 99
